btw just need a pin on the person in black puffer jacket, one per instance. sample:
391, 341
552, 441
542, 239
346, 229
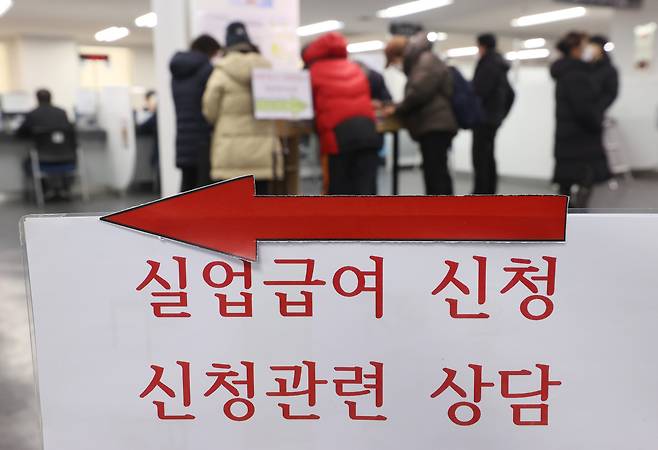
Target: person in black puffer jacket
494, 91
190, 71
580, 159
605, 72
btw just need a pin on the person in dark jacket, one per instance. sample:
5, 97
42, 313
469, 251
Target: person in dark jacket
605, 73
426, 109
149, 127
378, 90
580, 160
493, 89
44, 116
344, 116
47, 117
190, 71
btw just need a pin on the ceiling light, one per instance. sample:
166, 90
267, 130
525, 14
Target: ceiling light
148, 20
433, 36
319, 27
551, 16
609, 46
367, 46
112, 34
536, 53
406, 9
5, 5
462, 51
534, 43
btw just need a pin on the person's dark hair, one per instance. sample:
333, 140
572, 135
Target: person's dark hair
206, 44
44, 96
599, 40
570, 41
488, 41
150, 93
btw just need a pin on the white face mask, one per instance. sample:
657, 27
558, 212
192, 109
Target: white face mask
589, 54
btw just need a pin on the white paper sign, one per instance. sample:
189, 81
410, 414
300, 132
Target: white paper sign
282, 94
96, 290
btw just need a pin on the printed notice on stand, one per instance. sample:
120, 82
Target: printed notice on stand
282, 94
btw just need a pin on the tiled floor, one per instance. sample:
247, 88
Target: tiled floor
19, 428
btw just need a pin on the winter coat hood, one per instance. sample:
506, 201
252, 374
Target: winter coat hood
186, 64
565, 66
239, 66
418, 45
328, 46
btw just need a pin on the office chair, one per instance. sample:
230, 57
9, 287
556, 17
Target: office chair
57, 158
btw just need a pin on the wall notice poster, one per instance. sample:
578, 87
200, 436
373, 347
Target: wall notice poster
645, 36
282, 94
151, 344
271, 24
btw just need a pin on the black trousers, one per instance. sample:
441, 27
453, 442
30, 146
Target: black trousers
353, 173
197, 175
435, 146
484, 161
190, 178
580, 199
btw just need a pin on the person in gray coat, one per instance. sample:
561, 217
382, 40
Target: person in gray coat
426, 110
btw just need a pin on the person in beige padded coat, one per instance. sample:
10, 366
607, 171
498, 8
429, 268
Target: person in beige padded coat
241, 145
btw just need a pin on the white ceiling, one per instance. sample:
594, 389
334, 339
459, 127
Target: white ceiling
80, 19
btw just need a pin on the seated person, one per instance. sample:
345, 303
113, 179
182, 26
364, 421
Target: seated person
45, 118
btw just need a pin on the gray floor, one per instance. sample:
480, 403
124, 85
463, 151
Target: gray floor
18, 410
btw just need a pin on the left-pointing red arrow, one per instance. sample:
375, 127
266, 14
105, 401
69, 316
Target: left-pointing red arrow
227, 217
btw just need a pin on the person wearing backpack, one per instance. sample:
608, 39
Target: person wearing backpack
497, 96
426, 110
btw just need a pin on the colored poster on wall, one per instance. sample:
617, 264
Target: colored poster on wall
282, 94
271, 24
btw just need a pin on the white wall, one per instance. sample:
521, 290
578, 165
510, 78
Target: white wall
637, 107
143, 67
524, 147
117, 71
5, 74
50, 63
169, 36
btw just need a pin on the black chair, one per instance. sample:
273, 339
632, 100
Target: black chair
57, 159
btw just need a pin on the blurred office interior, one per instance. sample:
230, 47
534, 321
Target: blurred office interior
100, 58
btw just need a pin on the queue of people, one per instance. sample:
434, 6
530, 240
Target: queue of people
218, 137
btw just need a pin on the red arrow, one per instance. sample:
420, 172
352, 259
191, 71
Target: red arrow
227, 217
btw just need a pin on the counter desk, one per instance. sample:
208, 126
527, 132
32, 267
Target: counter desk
95, 148
14, 151
291, 133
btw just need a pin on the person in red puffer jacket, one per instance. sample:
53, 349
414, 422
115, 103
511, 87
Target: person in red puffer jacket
344, 117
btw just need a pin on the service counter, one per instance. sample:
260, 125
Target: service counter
14, 151
291, 134
95, 148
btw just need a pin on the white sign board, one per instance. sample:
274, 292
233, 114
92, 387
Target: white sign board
554, 350
282, 94
271, 24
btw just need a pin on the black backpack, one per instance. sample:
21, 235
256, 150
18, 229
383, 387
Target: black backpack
465, 103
